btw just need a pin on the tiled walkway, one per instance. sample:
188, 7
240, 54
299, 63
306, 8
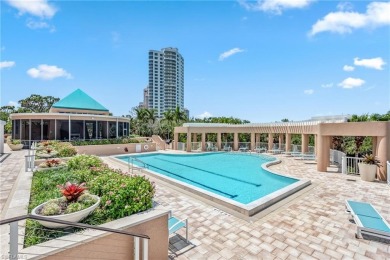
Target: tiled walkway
9, 171
312, 226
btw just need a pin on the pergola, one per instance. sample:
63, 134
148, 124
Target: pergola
322, 131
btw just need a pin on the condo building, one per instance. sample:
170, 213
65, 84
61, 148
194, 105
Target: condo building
166, 80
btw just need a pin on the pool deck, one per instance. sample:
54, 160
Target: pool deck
311, 224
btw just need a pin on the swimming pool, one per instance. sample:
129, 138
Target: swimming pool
236, 178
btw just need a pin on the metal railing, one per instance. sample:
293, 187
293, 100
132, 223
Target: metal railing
131, 165
259, 145
16, 250
349, 165
388, 172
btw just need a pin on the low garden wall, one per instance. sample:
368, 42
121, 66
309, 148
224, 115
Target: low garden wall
153, 223
113, 149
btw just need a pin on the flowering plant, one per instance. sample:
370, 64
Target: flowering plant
52, 163
72, 191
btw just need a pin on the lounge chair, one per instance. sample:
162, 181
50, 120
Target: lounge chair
174, 224
227, 148
260, 150
368, 220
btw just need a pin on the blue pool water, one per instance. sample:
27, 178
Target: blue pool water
235, 176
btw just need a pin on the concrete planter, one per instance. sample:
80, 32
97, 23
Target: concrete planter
73, 217
15, 147
367, 171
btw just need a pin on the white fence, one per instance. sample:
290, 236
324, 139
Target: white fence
336, 156
350, 165
181, 146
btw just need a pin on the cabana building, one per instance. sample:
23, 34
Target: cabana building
75, 117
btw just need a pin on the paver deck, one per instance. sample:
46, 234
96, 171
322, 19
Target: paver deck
314, 225
9, 172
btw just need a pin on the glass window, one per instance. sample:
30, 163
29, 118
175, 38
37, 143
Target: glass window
62, 130
90, 129
48, 130
36, 133
112, 130
25, 129
77, 129
16, 129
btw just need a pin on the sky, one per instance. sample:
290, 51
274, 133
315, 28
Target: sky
262, 61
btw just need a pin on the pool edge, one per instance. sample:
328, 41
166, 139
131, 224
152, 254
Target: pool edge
246, 209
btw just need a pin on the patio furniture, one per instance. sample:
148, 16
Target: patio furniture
175, 224
368, 220
227, 148
260, 150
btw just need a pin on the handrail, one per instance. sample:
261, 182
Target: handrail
69, 223
138, 160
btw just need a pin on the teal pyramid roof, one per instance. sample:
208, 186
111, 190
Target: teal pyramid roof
79, 100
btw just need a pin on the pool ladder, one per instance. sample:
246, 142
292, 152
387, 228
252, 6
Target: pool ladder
131, 160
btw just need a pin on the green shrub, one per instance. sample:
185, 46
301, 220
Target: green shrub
74, 207
124, 140
121, 195
80, 162
50, 208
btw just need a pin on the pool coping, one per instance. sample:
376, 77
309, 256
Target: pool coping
249, 209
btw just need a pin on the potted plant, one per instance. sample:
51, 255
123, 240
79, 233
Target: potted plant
15, 145
74, 206
368, 166
52, 164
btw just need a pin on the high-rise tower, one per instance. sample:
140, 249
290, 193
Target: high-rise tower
166, 80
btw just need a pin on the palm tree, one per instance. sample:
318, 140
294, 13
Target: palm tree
179, 116
169, 118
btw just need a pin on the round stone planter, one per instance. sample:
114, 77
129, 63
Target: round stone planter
73, 217
367, 171
15, 147
46, 155
50, 168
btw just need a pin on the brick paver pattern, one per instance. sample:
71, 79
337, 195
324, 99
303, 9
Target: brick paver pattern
312, 226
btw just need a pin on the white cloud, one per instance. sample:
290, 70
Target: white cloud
351, 83
12, 103
308, 91
47, 72
341, 22
7, 64
328, 85
375, 63
274, 6
204, 115
32, 24
40, 8
229, 53
345, 6
348, 68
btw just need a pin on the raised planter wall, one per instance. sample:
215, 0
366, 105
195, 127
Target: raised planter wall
113, 149
104, 245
